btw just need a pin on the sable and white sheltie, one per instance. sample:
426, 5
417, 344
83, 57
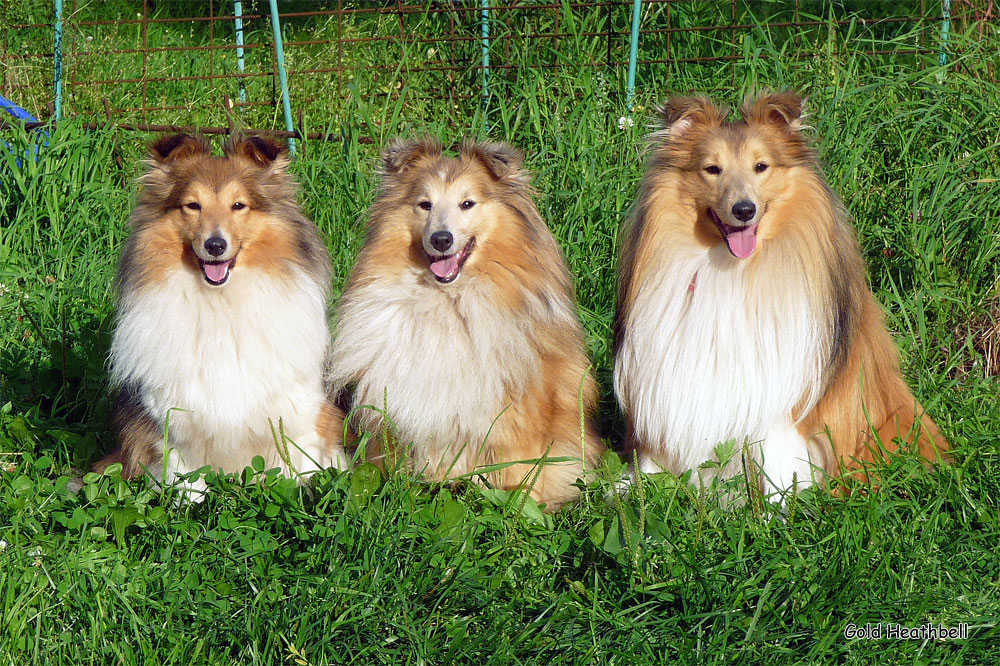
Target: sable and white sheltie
459, 319
222, 317
743, 308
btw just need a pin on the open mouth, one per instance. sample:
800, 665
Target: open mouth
216, 272
741, 241
447, 267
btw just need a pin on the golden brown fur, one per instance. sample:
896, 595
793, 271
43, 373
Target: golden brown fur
804, 279
482, 370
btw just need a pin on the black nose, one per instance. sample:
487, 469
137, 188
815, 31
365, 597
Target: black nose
744, 210
442, 240
215, 246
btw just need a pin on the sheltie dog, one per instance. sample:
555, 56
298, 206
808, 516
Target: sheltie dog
743, 308
222, 334
458, 327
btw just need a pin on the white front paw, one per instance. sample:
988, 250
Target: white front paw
310, 454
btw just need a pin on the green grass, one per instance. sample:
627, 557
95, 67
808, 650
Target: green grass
364, 569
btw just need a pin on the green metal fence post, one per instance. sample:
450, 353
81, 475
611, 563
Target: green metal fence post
282, 76
485, 28
238, 12
945, 28
57, 57
633, 52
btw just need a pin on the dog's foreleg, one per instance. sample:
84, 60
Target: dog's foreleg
785, 462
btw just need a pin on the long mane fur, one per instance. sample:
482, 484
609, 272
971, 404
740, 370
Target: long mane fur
807, 299
219, 362
481, 371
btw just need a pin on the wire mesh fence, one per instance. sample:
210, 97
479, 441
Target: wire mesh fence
149, 63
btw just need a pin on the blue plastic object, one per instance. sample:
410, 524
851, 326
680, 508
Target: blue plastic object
16, 111
20, 114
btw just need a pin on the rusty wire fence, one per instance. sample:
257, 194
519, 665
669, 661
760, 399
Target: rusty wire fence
149, 65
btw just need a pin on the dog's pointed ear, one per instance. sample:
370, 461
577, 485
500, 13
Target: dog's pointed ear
263, 151
784, 109
679, 115
174, 147
502, 160
402, 154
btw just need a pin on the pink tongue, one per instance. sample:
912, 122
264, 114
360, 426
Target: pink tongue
216, 272
445, 267
742, 243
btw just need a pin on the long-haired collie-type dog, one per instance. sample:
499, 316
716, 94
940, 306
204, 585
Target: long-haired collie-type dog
743, 308
459, 320
222, 335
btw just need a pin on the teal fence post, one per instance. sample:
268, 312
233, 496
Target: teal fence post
633, 52
282, 76
57, 58
485, 28
238, 12
945, 28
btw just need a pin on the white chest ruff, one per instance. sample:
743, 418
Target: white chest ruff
717, 359
445, 361
230, 358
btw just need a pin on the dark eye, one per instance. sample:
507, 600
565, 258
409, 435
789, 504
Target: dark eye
467, 204
193, 205
425, 205
714, 170
239, 205
760, 167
